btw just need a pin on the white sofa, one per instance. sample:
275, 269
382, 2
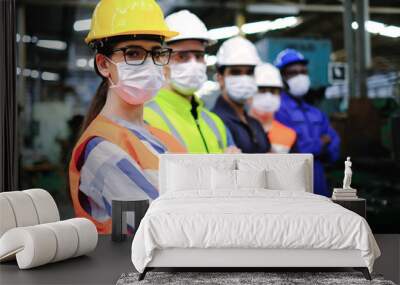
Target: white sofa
31, 231
203, 196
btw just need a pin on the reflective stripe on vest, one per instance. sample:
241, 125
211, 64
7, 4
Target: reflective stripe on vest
209, 121
156, 108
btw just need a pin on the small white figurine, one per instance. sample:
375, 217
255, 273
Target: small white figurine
347, 174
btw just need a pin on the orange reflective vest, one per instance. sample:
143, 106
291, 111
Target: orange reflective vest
282, 138
126, 140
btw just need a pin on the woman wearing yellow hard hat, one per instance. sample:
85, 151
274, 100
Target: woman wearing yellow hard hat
117, 154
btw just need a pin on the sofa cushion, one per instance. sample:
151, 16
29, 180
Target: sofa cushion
27, 208
45, 243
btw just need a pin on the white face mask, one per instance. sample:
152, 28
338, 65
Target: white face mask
188, 77
137, 84
240, 87
266, 102
299, 85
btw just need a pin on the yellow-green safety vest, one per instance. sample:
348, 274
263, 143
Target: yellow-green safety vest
171, 113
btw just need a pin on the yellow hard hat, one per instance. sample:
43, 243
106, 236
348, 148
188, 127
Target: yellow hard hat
127, 17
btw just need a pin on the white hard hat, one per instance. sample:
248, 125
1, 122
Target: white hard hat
189, 26
237, 51
268, 75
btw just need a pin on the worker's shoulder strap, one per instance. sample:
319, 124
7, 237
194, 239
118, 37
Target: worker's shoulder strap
157, 109
211, 123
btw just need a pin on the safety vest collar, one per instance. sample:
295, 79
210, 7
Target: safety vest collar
176, 101
164, 99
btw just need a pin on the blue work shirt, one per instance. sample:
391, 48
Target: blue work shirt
251, 137
310, 124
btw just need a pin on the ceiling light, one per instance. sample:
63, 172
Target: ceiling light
18, 38
35, 74
257, 27
374, 27
391, 31
26, 39
82, 25
272, 9
91, 62
379, 29
283, 23
81, 62
223, 33
26, 72
50, 76
52, 44
264, 26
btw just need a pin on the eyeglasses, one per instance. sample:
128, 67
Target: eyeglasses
136, 55
186, 55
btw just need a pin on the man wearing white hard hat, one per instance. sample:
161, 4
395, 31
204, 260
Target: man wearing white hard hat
264, 105
176, 109
236, 60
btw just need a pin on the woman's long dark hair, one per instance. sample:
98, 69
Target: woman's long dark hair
100, 97
98, 102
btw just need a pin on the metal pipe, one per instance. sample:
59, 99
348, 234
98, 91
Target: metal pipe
367, 40
361, 49
349, 47
321, 8
252, 8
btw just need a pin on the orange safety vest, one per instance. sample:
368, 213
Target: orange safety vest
126, 140
281, 136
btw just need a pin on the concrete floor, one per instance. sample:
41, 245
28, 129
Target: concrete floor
389, 262
110, 260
